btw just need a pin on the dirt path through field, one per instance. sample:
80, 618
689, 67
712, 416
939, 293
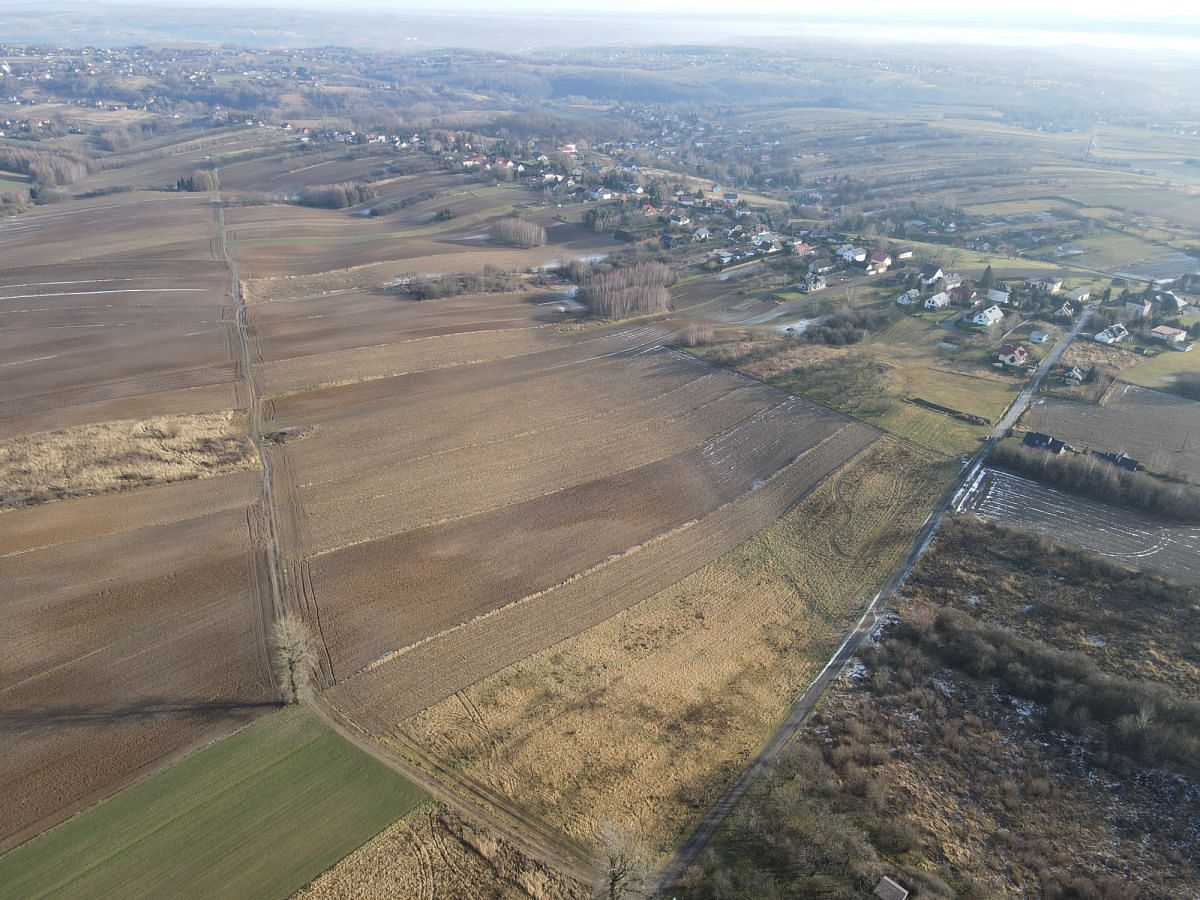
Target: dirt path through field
263, 526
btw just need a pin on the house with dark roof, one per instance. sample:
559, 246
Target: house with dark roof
931, 274
1035, 440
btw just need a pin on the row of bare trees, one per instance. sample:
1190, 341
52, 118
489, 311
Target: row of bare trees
518, 233
46, 167
630, 291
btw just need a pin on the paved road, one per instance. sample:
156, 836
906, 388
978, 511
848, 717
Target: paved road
691, 848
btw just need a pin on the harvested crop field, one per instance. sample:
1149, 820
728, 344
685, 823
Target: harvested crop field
121, 455
133, 633
258, 814
1117, 534
642, 719
1161, 431
105, 336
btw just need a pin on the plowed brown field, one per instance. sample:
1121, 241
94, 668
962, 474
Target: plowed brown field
132, 634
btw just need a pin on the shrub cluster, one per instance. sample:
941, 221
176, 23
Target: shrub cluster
336, 196
1142, 720
851, 326
200, 180
519, 233
1090, 476
490, 281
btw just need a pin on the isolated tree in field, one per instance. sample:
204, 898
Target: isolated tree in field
518, 233
622, 865
295, 658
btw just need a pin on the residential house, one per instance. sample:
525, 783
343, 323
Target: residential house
811, 282
1113, 334
1079, 296
878, 262
1073, 376
904, 253
601, 193
1046, 284
1168, 334
800, 248
909, 298
1170, 303
1012, 355
701, 234
938, 301
851, 254
1035, 440
951, 280
680, 219
1138, 309
1066, 311
821, 266
1038, 337
963, 295
988, 317
999, 295
931, 275
1120, 460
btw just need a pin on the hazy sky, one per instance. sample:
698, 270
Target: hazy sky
891, 9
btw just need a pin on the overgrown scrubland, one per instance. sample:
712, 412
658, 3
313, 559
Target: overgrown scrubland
111, 456
991, 744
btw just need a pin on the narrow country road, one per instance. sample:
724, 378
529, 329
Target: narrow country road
692, 847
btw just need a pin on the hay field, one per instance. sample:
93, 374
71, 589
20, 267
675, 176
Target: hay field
120, 455
1161, 431
434, 853
642, 719
133, 633
258, 814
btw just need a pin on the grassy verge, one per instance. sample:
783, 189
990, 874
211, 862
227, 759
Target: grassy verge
259, 814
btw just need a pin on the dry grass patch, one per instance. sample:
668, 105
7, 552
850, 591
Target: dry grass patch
113, 456
433, 853
641, 720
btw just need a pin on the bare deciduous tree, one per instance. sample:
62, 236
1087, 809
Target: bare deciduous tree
623, 864
295, 658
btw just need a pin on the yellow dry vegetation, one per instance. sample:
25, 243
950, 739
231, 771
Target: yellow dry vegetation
643, 719
118, 455
434, 853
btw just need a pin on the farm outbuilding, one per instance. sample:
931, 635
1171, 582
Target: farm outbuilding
1035, 440
890, 889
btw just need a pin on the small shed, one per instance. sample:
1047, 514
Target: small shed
890, 889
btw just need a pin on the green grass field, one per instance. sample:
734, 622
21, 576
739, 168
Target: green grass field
259, 814
1157, 371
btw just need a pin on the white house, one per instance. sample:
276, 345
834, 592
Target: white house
938, 301
680, 219
1112, 334
1168, 334
811, 283
1047, 283
951, 280
849, 254
998, 295
701, 234
1079, 296
988, 317
601, 193
908, 298
931, 274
